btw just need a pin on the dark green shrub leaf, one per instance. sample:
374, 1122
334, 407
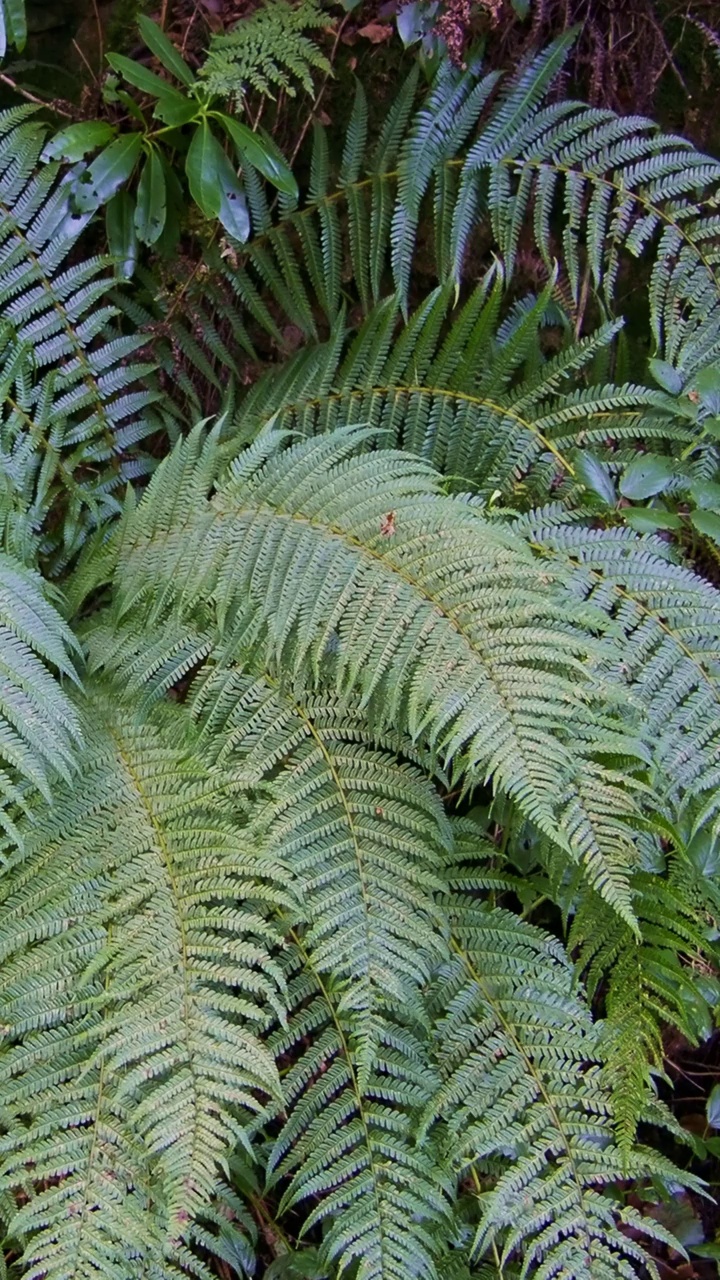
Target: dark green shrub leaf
233, 205
713, 1107
108, 172
647, 475
150, 210
164, 51
120, 227
202, 166
172, 107
262, 154
74, 142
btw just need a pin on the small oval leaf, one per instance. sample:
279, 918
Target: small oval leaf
650, 519
595, 475
707, 523
666, 376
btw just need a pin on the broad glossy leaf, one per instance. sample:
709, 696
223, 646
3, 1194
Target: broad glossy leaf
108, 172
708, 523
648, 519
202, 166
262, 154
666, 376
164, 51
175, 206
233, 205
713, 1107
172, 107
74, 142
595, 475
151, 208
122, 240
646, 475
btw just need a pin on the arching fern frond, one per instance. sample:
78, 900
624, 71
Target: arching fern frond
668, 625
349, 1143
473, 392
136, 968
649, 985
523, 1098
365, 579
39, 728
74, 397
360, 833
589, 186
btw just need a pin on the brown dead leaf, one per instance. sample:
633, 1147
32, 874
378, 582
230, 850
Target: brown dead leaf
376, 32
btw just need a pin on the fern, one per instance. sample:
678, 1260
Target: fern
260, 999
473, 392
406, 595
624, 189
75, 403
39, 728
667, 619
522, 1078
649, 987
348, 1141
267, 52
136, 969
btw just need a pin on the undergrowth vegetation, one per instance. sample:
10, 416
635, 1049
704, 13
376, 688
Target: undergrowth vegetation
360, 697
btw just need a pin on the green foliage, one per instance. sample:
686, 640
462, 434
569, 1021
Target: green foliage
132, 1057
77, 397
361, 820
146, 159
267, 52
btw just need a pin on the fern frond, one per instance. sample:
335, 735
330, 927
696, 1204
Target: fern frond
667, 620
650, 985
623, 188
39, 728
360, 833
471, 393
136, 968
523, 1093
75, 399
351, 1142
365, 577
267, 51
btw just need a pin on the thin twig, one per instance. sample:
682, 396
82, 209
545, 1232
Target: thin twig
101, 38
188, 29
82, 55
164, 14
320, 92
31, 97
